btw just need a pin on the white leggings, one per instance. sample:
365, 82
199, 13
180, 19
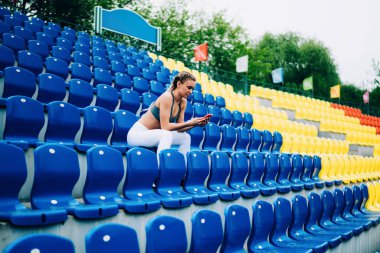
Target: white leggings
139, 135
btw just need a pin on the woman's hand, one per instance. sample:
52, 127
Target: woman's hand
198, 121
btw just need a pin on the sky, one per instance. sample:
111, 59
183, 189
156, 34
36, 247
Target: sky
349, 28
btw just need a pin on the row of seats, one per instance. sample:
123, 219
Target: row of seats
54, 164
314, 225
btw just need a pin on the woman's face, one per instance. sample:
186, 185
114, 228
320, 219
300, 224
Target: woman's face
186, 88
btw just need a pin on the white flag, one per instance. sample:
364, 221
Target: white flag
242, 64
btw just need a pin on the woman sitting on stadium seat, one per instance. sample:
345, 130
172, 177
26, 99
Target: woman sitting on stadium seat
163, 124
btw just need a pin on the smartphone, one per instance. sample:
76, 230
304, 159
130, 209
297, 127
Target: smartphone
207, 116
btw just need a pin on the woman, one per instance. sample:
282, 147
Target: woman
163, 124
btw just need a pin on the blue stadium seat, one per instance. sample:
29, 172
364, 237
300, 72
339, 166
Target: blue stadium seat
45, 38
81, 71
305, 175
148, 75
196, 134
111, 48
156, 88
99, 62
271, 173
317, 165
80, 93
296, 229
123, 121
282, 221
97, 126
54, 164
267, 142
189, 111
50, 31
54, 26
225, 117
237, 118
13, 173
117, 66
82, 48
212, 137
61, 53
7, 58
133, 71
50, 88
358, 209
82, 58
122, 81
198, 97
63, 123
84, 40
140, 85
67, 35
141, 64
247, 120
65, 43
18, 81
147, 99
228, 138
215, 111
220, 102
111, 237
23, 17
98, 52
21, 112
83, 34
284, 173
113, 56
242, 140
277, 142
256, 172
14, 42
142, 172
236, 229
220, 170
12, 21
39, 48
197, 172
199, 110
209, 99
172, 170
296, 170
130, 100
162, 77
38, 21
262, 225
162, 229
239, 171
41, 243
128, 60
102, 76
57, 67
30, 61
24, 33
153, 67
207, 231
32, 26
4, 11
107, 97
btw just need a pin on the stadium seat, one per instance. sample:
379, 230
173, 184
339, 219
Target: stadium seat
81, 71
225, 117
220, 170
30, 61
14, 42
220, 102
282, 221
296, 171
358, 208
172, 170
122, 81
196, 134
12, 21
65, 43
100, 62
307, 169
199, 110
34, 27
54, 164
45, 38
271, 174
247, 120
128, 60
113, 56
316, 169
140, 85
209, 99
51, 32
57, 67
129, 100
50, 88
97, 126
82, 58
242, 140
237, 118
141, 64
61, 53
207, 231
13, 174
162, 77
98, 52
4, 11
212, 137
189, 111
41, 243
255, 174
256, 140
152, 66
123, 121
228, 138
277, 142
80, 93
267, 142
117, 66
147, 99
18, 81
106, 97
63, 123
102, 76
239, 171
148, 75
7, 58
111, 237
133, 71
156, 88
197, 172
82, 48
142, 172
284, 173
21, 112
198, 97
162, 229
215, 111
39, 48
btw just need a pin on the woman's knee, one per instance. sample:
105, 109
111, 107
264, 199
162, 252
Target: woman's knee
167, 135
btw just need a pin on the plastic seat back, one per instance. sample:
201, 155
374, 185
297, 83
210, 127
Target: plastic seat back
209, 99
198, 97
262, 223
102, 76
18, 81
317, 165
215, 111
315, 210
112, 237
107, 97
199, 110
256, 169
207, 231
45, 38
123, 121
307, 168
284, 168
299, 214
271, 169
189, 111
80, 93
162, 229
14, 42
239, 170
297, 168
62, 42
147, 99
157, 88
100, 62
130, 100
267, 141
247, 120
133, 71
62, 53
212, 137
243, 138
225, 116
256, 140
39, 48
30, 61
282, 217
97, 125
220, 102
122, 81
277, 142
57, 67
228, 138
237, 118
41, 243
50, 88
7, 58
197, 169
82, 58
220, 169
81, 71
196, 134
